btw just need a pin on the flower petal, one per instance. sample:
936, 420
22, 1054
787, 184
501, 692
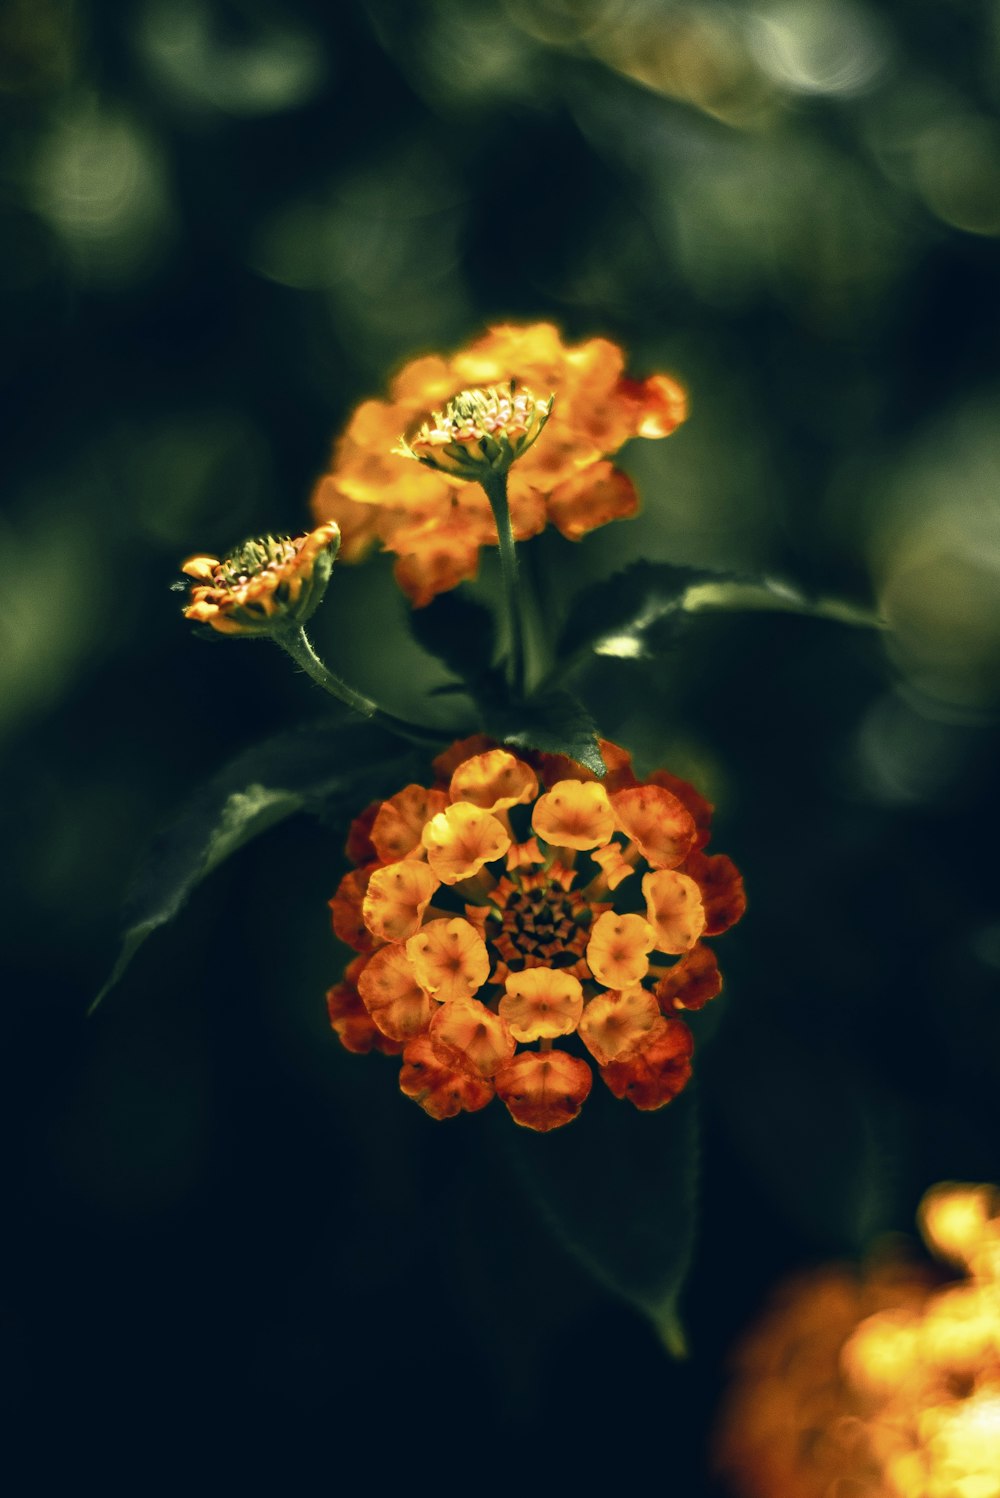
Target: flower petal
574, 814
494, 781
393, 997
691, 982
673, 909
658, 823
722, 892
617, 949
541, 1003
397, 897
544, 1089
616, 1024
442, 1087
401, 820
449, 959
481, 1037
657, 1071
461, 839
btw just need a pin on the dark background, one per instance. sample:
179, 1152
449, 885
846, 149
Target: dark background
236, 1256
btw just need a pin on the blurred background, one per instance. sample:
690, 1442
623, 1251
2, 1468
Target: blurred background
233, 1249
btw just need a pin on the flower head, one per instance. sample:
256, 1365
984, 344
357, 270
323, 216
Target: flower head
883, 1382
479, 431
494, 945
483, 409
264, 583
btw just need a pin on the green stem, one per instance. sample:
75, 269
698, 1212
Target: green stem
496, 492
295, 643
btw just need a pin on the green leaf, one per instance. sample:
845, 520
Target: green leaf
460, 632
619, 1190
296, 771
555, 722
817, 1135
615, 617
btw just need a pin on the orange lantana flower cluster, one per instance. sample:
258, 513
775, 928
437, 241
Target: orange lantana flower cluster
880, 1384
435, 522
266, 582
519, 920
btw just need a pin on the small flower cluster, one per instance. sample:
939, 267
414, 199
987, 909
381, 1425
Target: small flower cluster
267, 581
884, 1385
432, 515
520, 918
479, 432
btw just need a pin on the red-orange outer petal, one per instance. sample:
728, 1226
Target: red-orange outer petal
347, 909
544, 1089
352, 1023
441, 1087
691, 982
658, 1071
722, 892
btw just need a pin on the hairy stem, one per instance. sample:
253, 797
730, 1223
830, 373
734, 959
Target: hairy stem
295, 643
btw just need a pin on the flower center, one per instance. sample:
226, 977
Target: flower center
542, 922
253, 558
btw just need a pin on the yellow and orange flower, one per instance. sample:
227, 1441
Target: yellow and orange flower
882, 1382
495, 949
435, 521
264, 583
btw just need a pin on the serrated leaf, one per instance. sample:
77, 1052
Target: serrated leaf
618, 1188
555, 722
616, 616
460, 632
261, 787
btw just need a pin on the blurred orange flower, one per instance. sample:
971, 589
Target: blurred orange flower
882, 1382
435, 522
484, 915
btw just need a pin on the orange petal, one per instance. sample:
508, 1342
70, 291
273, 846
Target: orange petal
591, 498
401, 820
617, 949
656, 1072
442, 1087
614, 865
392, 995
359, 846
436, 562
657, 822
461, 839
544, 1089
619, 766
691, 982
397, 897
347, 907
524, 855
480, 1037
700, 809
574, 814
352, 1023
358, 522
673, 909
954, 1217
494, 781
449, 959
448, 761
660, 404
722, 892
618, 1023
541, 1003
